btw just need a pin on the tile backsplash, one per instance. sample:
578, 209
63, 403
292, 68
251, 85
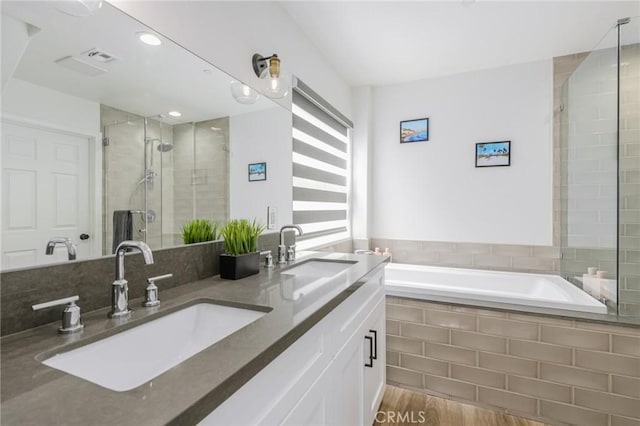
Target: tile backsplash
503, 257
92, 279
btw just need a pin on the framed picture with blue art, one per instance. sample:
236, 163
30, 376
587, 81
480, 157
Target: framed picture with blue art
414, 130
493, 154
257, 171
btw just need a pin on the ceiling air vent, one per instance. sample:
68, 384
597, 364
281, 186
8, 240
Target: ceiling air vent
99, 56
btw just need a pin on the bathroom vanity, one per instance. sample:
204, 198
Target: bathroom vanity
314, 353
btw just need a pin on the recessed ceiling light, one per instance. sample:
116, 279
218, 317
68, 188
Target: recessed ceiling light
150, 39
175, 113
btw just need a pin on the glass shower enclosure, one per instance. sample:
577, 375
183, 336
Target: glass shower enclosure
600, 170
164, 173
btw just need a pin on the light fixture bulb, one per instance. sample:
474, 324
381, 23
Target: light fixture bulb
149, 39
276, 84
277, 87
175, 113
243, 93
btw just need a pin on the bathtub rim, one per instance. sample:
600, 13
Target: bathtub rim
609, 318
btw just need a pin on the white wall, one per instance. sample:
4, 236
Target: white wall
361, 143
50, 107
261, 136
228, 33
432, 190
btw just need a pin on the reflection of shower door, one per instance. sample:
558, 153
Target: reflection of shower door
123, 189
45, 193
135, 156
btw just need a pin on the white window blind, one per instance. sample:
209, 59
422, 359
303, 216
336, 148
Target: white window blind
321, 169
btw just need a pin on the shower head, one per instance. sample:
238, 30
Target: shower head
164, 147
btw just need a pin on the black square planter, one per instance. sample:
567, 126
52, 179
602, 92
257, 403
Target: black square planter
240, 266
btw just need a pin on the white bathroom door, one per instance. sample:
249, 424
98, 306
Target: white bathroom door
45, 193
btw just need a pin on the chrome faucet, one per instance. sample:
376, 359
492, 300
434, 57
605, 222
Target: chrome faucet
287, 254
120, 287
71, 247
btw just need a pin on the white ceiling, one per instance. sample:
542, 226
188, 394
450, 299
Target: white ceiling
144, 80
379, 43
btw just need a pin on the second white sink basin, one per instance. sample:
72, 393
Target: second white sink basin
319, 268
128, 359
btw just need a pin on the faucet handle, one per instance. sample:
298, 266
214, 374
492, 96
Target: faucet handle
268, 258
291, 253
71, 320
151, 292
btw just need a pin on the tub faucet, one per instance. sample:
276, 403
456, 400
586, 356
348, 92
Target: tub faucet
120, 287
287, 254
71, 247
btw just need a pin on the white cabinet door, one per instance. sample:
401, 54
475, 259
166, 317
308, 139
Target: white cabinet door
348, 386
315, 408
375, 375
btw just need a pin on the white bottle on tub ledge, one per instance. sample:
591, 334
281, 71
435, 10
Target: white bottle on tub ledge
591, 283
387, 252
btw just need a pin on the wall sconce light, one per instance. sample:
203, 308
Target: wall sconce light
243, 93
277, 84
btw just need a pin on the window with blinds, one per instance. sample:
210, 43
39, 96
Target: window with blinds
321, 169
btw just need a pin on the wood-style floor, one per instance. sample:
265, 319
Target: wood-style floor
404, 407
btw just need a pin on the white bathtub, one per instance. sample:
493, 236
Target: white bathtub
546, 291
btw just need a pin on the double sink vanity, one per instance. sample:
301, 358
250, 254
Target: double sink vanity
298, 343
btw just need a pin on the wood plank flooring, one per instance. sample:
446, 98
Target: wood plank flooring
404, 407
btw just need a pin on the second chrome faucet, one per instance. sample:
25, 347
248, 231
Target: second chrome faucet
287, 254
120, 287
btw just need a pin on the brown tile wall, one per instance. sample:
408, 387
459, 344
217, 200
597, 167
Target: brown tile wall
556, 370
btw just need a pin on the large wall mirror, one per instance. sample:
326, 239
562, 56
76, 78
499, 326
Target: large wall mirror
104, 135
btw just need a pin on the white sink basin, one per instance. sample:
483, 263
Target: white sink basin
319, 268
128, 359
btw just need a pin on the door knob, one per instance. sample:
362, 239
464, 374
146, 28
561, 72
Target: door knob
84, 236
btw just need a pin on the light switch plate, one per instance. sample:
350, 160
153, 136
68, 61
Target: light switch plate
272, 214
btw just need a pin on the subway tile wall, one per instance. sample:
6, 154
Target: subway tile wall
502, 257
629, 151
556, 370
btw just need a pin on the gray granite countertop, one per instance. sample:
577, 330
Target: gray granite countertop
34, 394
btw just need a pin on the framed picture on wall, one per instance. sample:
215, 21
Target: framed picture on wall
493, 154
414, 130
257, 171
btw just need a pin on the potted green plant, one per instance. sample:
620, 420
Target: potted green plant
199, 230
241, 257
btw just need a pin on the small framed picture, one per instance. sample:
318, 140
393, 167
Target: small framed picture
414, 130
493, 154
257, 171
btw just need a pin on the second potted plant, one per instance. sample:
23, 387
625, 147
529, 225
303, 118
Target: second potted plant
241, 257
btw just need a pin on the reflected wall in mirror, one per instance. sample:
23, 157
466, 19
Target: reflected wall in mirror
106, 138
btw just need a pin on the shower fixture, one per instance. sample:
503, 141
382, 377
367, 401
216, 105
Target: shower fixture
148, 176
162, 145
